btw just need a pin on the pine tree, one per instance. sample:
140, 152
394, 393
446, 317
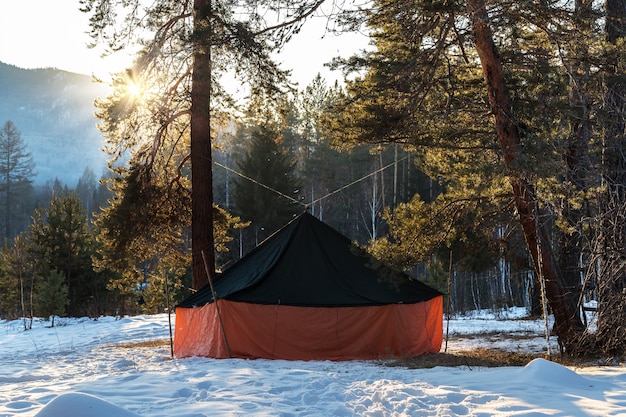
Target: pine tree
268, 195
144, 234
9, 287
17, 170
62, 241
17, 280
52, 296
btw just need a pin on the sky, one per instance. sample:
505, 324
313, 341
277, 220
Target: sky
53, 33
99, 368
50, 33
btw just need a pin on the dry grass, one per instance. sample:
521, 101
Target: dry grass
144, 344
480, 357
495, 357
475, 358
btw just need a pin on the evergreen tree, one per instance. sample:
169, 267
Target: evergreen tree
17, 170
17, 281
144, 227
9, 287
52, 296
144, 234
269, 194
62, 241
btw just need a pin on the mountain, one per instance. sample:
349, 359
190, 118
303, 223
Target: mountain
54, 112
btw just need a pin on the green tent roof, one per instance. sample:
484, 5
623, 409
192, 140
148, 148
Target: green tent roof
308, 263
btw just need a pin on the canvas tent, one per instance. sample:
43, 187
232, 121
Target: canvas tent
309, 293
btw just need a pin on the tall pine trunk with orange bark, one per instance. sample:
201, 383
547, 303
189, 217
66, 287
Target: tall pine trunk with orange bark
567, 320
202, 239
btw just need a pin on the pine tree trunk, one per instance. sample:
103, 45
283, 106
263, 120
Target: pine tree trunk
202, 239
567, 322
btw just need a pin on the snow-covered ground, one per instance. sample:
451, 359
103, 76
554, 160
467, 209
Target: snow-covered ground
79, 369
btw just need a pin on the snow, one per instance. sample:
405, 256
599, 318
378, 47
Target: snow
87, 367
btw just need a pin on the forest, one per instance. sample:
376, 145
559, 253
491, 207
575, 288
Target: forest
478, 146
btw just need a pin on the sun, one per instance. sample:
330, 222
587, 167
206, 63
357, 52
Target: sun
134, 89
131, 85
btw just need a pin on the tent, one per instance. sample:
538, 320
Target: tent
309, 293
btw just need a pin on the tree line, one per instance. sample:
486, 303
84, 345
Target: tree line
52, 269
100, 248
48, 241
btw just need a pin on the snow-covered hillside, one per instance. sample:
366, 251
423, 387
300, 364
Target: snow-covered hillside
99, 368
54, 112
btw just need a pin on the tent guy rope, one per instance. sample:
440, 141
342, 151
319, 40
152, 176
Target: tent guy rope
259, 183
356, 181
307, 205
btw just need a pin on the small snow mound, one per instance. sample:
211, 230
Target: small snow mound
123, 364
544, 372
82, 405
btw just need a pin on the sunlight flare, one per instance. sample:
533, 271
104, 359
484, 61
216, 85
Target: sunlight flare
134, 89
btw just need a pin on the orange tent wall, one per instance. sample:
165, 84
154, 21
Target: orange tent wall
309, 333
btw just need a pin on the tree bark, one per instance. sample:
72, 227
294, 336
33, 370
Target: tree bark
567, 322
202, 239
